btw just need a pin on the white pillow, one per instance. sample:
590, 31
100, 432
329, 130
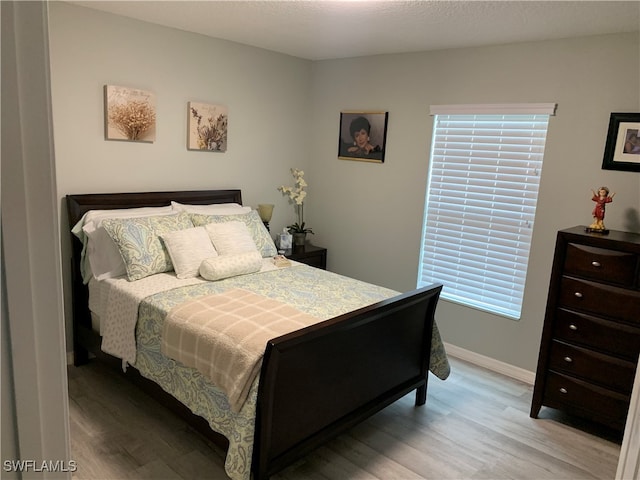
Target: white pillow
261, 237
102, 256
231, 237
212, 209
225, 266
187, 249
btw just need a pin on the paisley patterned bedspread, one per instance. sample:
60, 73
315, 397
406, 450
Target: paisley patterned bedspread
317, 292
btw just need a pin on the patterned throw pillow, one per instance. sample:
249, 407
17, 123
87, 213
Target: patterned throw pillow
138, 240
225, 266
259, 233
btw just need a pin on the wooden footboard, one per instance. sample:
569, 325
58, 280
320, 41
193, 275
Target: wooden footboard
317, 382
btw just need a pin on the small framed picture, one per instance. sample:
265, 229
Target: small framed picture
363, 136
622, 150
207, 127
130, 114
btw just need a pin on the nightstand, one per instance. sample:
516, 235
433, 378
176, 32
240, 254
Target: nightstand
309, 254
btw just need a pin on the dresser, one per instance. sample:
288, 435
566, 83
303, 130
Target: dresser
591, 334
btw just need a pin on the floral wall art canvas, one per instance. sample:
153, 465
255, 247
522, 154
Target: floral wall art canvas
130, 114
207, 127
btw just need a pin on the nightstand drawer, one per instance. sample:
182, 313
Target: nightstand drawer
309, 255
601, 404
600, 299
601, 264
609, 337
317, 261
610, 372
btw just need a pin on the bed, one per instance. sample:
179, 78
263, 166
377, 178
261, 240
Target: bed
367, 347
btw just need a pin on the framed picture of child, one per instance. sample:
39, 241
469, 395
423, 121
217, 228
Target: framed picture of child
622, 150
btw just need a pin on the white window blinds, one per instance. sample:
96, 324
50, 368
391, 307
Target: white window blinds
480, 205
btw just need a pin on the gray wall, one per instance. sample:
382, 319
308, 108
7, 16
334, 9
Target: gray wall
284, 112
267, 96
371, 214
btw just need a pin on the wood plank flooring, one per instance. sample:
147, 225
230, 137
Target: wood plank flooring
475, 425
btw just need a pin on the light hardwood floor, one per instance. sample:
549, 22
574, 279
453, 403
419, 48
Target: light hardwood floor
475, 425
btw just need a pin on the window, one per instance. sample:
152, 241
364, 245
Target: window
481, 200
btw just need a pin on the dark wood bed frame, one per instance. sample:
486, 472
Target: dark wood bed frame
315, 383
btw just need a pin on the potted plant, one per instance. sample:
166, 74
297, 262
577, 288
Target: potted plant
296, 195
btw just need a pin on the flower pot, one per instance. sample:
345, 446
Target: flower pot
299, 239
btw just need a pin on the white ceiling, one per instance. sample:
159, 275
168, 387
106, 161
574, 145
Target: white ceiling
326, 29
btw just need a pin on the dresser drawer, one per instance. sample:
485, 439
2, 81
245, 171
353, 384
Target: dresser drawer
600, 299
609, 266
599, 403
610, 372
606, 336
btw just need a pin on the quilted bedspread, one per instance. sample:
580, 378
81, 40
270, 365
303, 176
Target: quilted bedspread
223, 336
318, 293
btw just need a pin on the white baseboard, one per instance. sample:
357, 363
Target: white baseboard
491, 364
69, 358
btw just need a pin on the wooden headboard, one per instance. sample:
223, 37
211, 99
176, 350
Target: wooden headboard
78, 205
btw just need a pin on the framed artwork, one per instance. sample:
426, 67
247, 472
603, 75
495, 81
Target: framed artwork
130, 114
622, 150
363, 136
207, 127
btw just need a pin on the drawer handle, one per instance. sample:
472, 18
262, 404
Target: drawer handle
577, 295
563, 390
573, 327
596, 264
568, 359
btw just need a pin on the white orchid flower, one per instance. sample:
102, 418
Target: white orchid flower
297, 195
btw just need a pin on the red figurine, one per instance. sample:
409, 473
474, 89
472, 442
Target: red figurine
601, 198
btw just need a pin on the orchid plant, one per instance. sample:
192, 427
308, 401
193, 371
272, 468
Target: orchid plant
296, 195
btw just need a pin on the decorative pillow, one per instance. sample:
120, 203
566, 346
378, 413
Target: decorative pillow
230, 237
259, 233
138, 240
187, 249
225, 266
100, 256
212, 209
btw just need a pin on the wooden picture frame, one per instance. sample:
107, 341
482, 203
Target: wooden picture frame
207, 127
363, 136
622, 150
129, 114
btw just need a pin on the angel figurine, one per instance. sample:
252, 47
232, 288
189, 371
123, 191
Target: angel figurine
601, 198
